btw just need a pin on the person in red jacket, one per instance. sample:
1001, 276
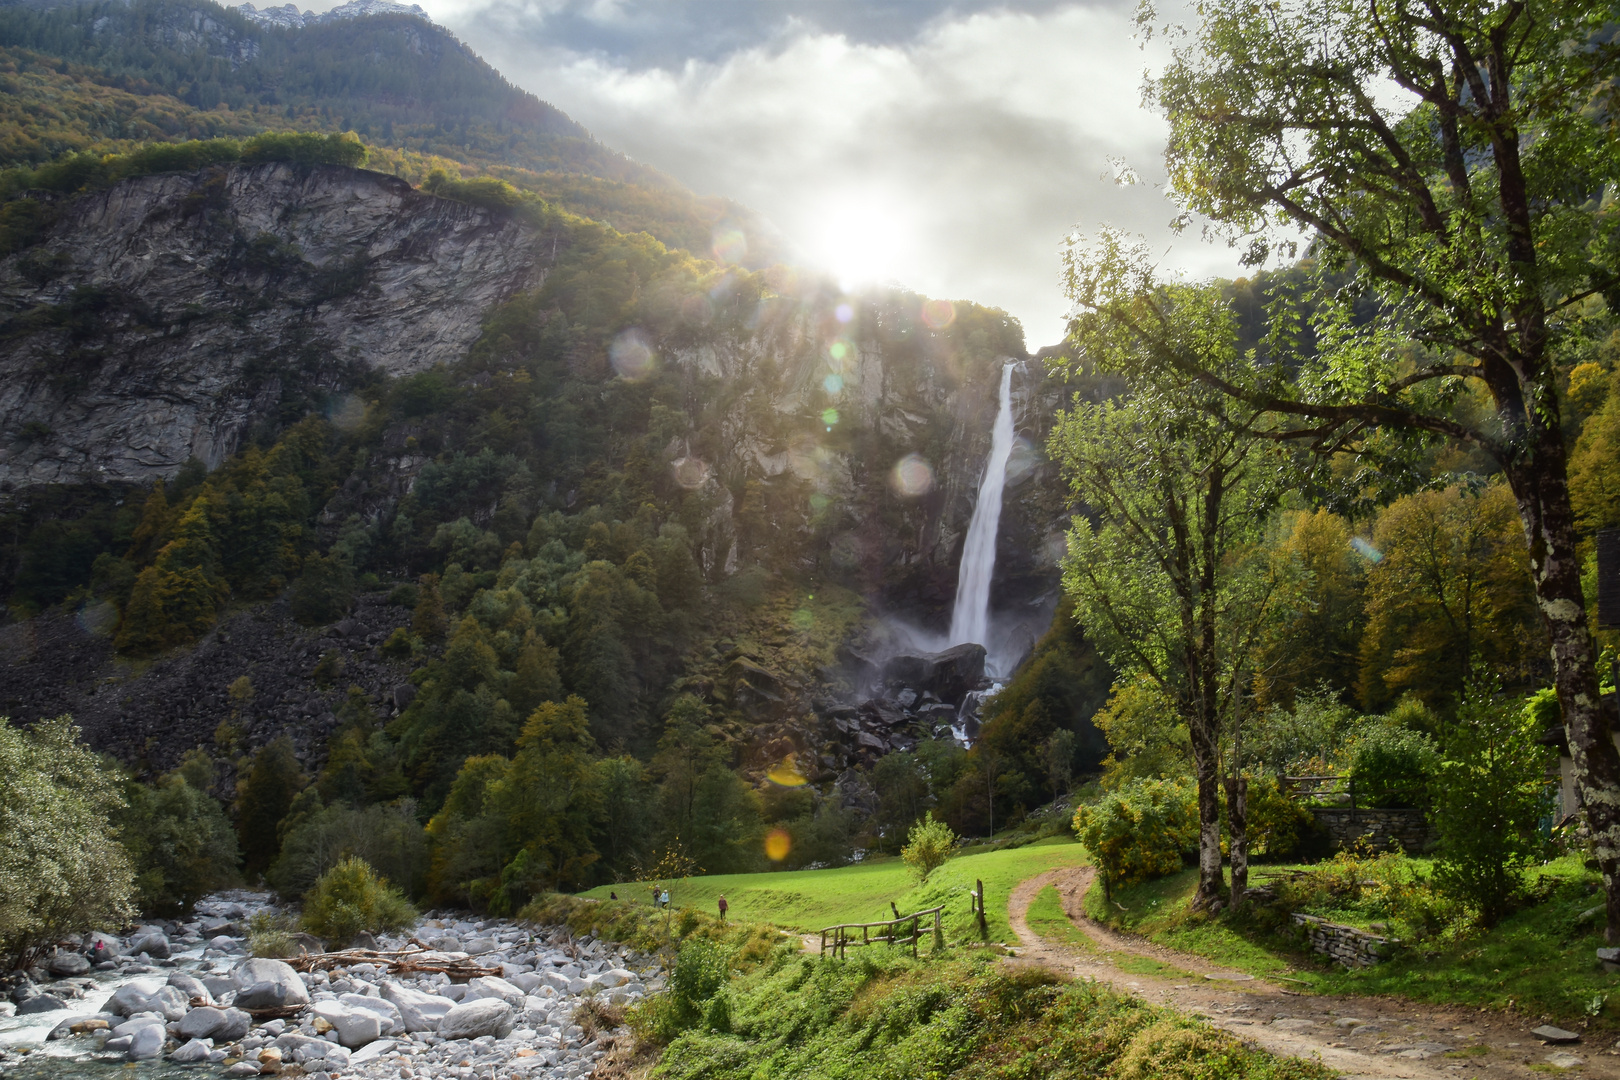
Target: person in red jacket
723, 907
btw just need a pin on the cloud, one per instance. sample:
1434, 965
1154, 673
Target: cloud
950, 153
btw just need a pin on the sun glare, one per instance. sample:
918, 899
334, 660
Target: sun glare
859, 236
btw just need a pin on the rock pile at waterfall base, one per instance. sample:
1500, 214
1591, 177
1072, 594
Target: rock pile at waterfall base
355, 1020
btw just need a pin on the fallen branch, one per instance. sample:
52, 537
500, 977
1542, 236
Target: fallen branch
416, 960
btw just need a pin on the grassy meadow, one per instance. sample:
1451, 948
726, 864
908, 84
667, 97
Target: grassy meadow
809, 900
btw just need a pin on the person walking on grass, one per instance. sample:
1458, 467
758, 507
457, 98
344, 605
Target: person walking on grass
723, 907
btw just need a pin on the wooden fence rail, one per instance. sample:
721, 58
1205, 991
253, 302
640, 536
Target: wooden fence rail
843, 934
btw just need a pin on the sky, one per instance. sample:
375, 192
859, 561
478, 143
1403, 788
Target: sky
948, 147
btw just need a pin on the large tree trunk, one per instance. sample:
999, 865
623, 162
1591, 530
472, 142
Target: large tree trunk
1542, 492
1237, 819
1206, 767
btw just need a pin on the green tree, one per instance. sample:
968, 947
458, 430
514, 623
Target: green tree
181, 843
549, 798
928, 845
61, 866
324, 591
1489, 792
1459, 231
1166, 583
264, 794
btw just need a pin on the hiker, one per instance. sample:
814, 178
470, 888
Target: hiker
612, 895
723, 907
656, 895
665, 898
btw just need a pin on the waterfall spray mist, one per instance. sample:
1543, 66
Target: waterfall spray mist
970, 621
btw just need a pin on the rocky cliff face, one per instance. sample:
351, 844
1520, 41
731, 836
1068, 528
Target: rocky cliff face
163, 319
165, 316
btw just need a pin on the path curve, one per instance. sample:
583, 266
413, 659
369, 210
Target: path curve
1396, 1038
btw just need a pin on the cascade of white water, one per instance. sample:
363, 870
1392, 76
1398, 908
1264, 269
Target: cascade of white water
970, 621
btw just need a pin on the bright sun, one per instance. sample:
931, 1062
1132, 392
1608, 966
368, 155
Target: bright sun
859, 236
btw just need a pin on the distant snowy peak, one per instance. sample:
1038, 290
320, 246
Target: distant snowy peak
288, 15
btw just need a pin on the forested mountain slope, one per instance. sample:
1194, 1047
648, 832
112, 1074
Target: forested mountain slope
105, 75
529, 459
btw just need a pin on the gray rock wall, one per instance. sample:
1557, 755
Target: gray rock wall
1345, 944
164, 316
1381, 830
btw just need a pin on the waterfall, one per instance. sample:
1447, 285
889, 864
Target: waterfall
971, 619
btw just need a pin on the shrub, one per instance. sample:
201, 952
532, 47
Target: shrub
1391, 766
928, 845
401, 645
1141, 831
61, 867
270, 935
350, 898
1276, 823
702, 968
1489, 794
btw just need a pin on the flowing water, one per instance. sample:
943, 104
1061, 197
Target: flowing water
970, 621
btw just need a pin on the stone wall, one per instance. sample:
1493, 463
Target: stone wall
1345, 944
1380, 829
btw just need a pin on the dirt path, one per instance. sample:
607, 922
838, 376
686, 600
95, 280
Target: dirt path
1358, 1036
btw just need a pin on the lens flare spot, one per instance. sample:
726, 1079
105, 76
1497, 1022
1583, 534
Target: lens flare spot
632, 356
938, 314
1366, 550
777, 845
819, 502
913, 476
829, 417
787, 773
803, 619
843, 313
346, 412
838, 350
833, 384
729, 245
690, 472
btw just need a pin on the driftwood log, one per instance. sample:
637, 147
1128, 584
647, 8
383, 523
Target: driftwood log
417, 959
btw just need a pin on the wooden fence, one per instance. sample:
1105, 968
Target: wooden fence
843, 936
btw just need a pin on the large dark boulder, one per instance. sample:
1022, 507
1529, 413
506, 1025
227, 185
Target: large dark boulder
949, 674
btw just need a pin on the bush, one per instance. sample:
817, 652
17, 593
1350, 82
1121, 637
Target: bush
350, 898
1144, 830
702, 968
1277, 824
62, 869
1489, 794
1391, 766
928, 845
270, 935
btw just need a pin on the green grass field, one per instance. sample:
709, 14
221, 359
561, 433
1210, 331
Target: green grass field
1540, 959
808, 900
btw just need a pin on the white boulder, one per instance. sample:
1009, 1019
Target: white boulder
417, 1011
268, 984
477, 1017
493, 986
